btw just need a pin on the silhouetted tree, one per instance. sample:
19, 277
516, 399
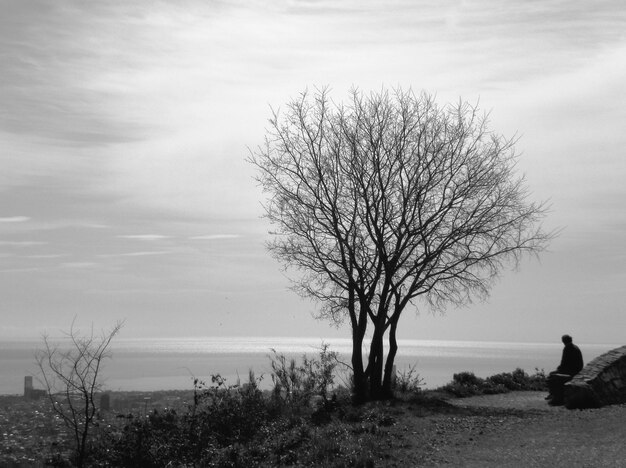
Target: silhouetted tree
390, 198
72, 379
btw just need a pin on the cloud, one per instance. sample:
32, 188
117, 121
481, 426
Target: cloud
51, 55
14, 219
22, 270
44, 256
137, 116
137, 254
78, 265
147, 237
22, 243
150, 291
216, 237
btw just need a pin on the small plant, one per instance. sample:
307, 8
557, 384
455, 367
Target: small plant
295, 384
409, 381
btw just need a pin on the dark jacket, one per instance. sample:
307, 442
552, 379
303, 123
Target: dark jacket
571, 361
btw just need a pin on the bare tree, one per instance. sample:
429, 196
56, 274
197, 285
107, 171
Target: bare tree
72, 380
389, 199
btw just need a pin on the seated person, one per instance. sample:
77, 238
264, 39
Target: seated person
571, 364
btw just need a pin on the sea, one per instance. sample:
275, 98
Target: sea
149, 364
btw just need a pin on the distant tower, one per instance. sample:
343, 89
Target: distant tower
28, 386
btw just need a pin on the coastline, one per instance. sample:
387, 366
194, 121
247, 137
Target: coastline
171, 364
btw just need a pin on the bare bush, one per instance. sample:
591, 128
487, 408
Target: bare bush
72, 379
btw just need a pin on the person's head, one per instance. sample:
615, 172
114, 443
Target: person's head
566, 339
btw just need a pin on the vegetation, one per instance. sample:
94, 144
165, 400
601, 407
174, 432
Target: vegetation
389, 199
408, 381
305, 419
466, 384
239, 425
295, 384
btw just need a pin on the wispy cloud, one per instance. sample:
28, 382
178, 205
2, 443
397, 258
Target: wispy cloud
14, 219
137, 254
208, 290
44, 256
78, 264
22, 243
22, 270
147, 237
160, 291
216, 237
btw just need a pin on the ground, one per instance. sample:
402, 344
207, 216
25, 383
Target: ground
516, 429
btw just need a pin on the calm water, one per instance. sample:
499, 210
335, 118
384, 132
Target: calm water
153, 364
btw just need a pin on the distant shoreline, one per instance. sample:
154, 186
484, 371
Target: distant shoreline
153, 365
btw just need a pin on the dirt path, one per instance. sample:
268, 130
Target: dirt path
532, 401
536, 435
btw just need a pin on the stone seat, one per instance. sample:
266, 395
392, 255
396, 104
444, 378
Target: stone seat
601, 382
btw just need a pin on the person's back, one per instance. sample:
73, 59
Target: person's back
572, 359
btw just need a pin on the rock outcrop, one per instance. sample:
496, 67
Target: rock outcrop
601, 382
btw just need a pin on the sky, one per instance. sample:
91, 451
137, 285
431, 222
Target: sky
125, 126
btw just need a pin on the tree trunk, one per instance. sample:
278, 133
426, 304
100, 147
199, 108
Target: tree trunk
358, 374
359, 326
375, 364
387, 389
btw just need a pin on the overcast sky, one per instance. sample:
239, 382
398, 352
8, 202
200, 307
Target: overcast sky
124, 128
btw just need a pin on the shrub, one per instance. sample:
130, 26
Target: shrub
149, 441
295, 384
508, 380
408, 381
238, 425
466, 384
229, 414
519, 380
221, 420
